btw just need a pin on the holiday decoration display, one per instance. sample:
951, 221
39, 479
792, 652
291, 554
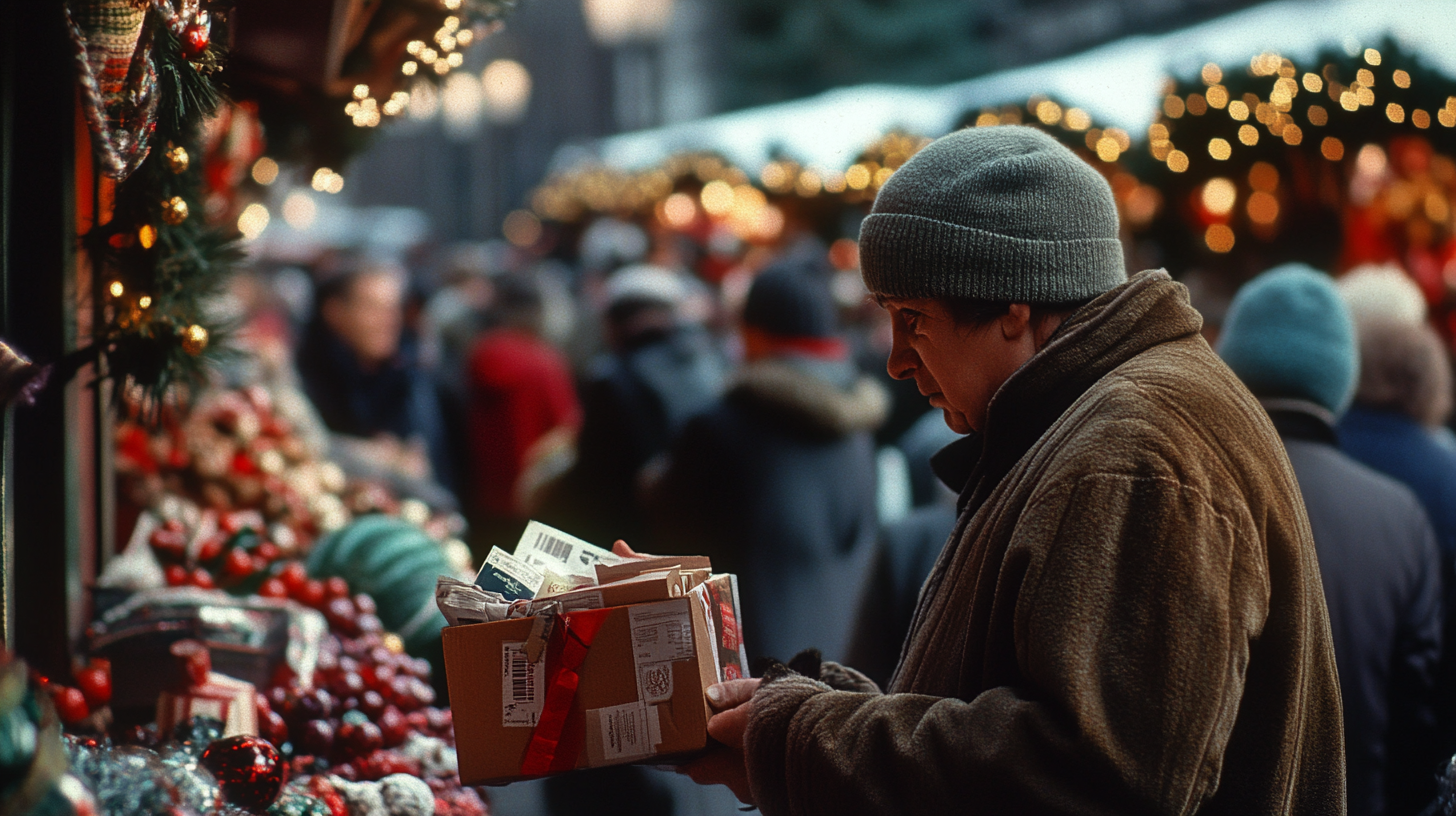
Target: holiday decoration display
248, 770
146, 72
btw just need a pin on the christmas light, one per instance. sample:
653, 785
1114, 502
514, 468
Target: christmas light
1372, 56
145, 301
679, 211
1262, 208
265, 171
147, 236
808, 184
1177, 161
1211, 74
1401, 78
252, 221
1249, 135
1238, 110
857, 177
1332, 148
1420, 119
1395, 113
1313, 83
1217, 96
1173, 106
1219, 149
116, 289
1317, 115
1219, 238
1263, 176
717, 198
1077, 119
1219, 195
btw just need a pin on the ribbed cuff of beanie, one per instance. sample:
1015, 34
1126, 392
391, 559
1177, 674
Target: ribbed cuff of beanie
904, 255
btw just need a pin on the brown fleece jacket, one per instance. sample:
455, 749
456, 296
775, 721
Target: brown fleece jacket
1128, 618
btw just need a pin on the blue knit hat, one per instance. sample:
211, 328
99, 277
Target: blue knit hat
1289, 335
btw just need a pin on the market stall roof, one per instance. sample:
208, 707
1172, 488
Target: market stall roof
1119, 84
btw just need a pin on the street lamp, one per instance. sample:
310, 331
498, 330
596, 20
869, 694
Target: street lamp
507, 87
632, 28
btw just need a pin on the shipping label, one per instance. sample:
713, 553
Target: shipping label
662, 633
630, 730
521, 693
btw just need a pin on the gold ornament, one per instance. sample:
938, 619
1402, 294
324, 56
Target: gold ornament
174, 210
177, 158
194, 339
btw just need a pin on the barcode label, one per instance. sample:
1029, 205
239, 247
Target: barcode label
521, 696
545, 547
553, 546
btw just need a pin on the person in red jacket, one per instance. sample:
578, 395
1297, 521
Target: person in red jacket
523, 415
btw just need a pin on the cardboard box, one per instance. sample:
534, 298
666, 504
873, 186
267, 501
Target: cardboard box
637, 694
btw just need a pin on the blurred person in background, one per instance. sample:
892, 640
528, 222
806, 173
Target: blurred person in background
1290, 339
908, 548
660, 369
1403, 397
776, 481
361, 372
522, 415
454, 316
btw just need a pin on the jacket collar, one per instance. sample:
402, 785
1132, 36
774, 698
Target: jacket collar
1148, 310
1301, 419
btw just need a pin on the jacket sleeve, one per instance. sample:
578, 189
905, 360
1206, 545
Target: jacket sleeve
1134, 603
1412, 739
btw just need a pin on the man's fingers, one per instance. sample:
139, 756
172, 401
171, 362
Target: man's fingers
620, 548
729, 726
732, 693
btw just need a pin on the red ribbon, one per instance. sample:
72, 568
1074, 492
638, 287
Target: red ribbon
556, 740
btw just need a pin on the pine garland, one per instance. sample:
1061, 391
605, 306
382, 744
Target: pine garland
158, 260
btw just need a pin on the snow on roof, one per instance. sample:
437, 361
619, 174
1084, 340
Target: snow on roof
1119, 84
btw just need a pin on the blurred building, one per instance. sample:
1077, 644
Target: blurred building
570, 71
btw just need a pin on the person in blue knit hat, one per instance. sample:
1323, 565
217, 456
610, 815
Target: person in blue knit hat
1289, 337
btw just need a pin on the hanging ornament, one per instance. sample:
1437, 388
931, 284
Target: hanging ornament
195, 38
194, 339
118, 80
248, 770
174, 210
177, 158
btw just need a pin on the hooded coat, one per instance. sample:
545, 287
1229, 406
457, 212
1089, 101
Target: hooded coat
1127, 619
776, 483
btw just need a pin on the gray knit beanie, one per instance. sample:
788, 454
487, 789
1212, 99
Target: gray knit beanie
993, 213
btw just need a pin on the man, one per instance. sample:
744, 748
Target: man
523, 414
776, 480
1128, 617
358, 368
1290, 340
660, 370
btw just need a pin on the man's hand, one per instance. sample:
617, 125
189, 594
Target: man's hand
620, 548
726, 765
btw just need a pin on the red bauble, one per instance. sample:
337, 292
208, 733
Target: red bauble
95, 682
248, 771
195, 39
273, 588
70, 703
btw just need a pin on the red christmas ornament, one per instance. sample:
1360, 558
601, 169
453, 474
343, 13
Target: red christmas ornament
95, 682
248, 771
70, 703
195, 39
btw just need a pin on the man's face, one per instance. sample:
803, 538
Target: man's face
370, 317
958, 367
